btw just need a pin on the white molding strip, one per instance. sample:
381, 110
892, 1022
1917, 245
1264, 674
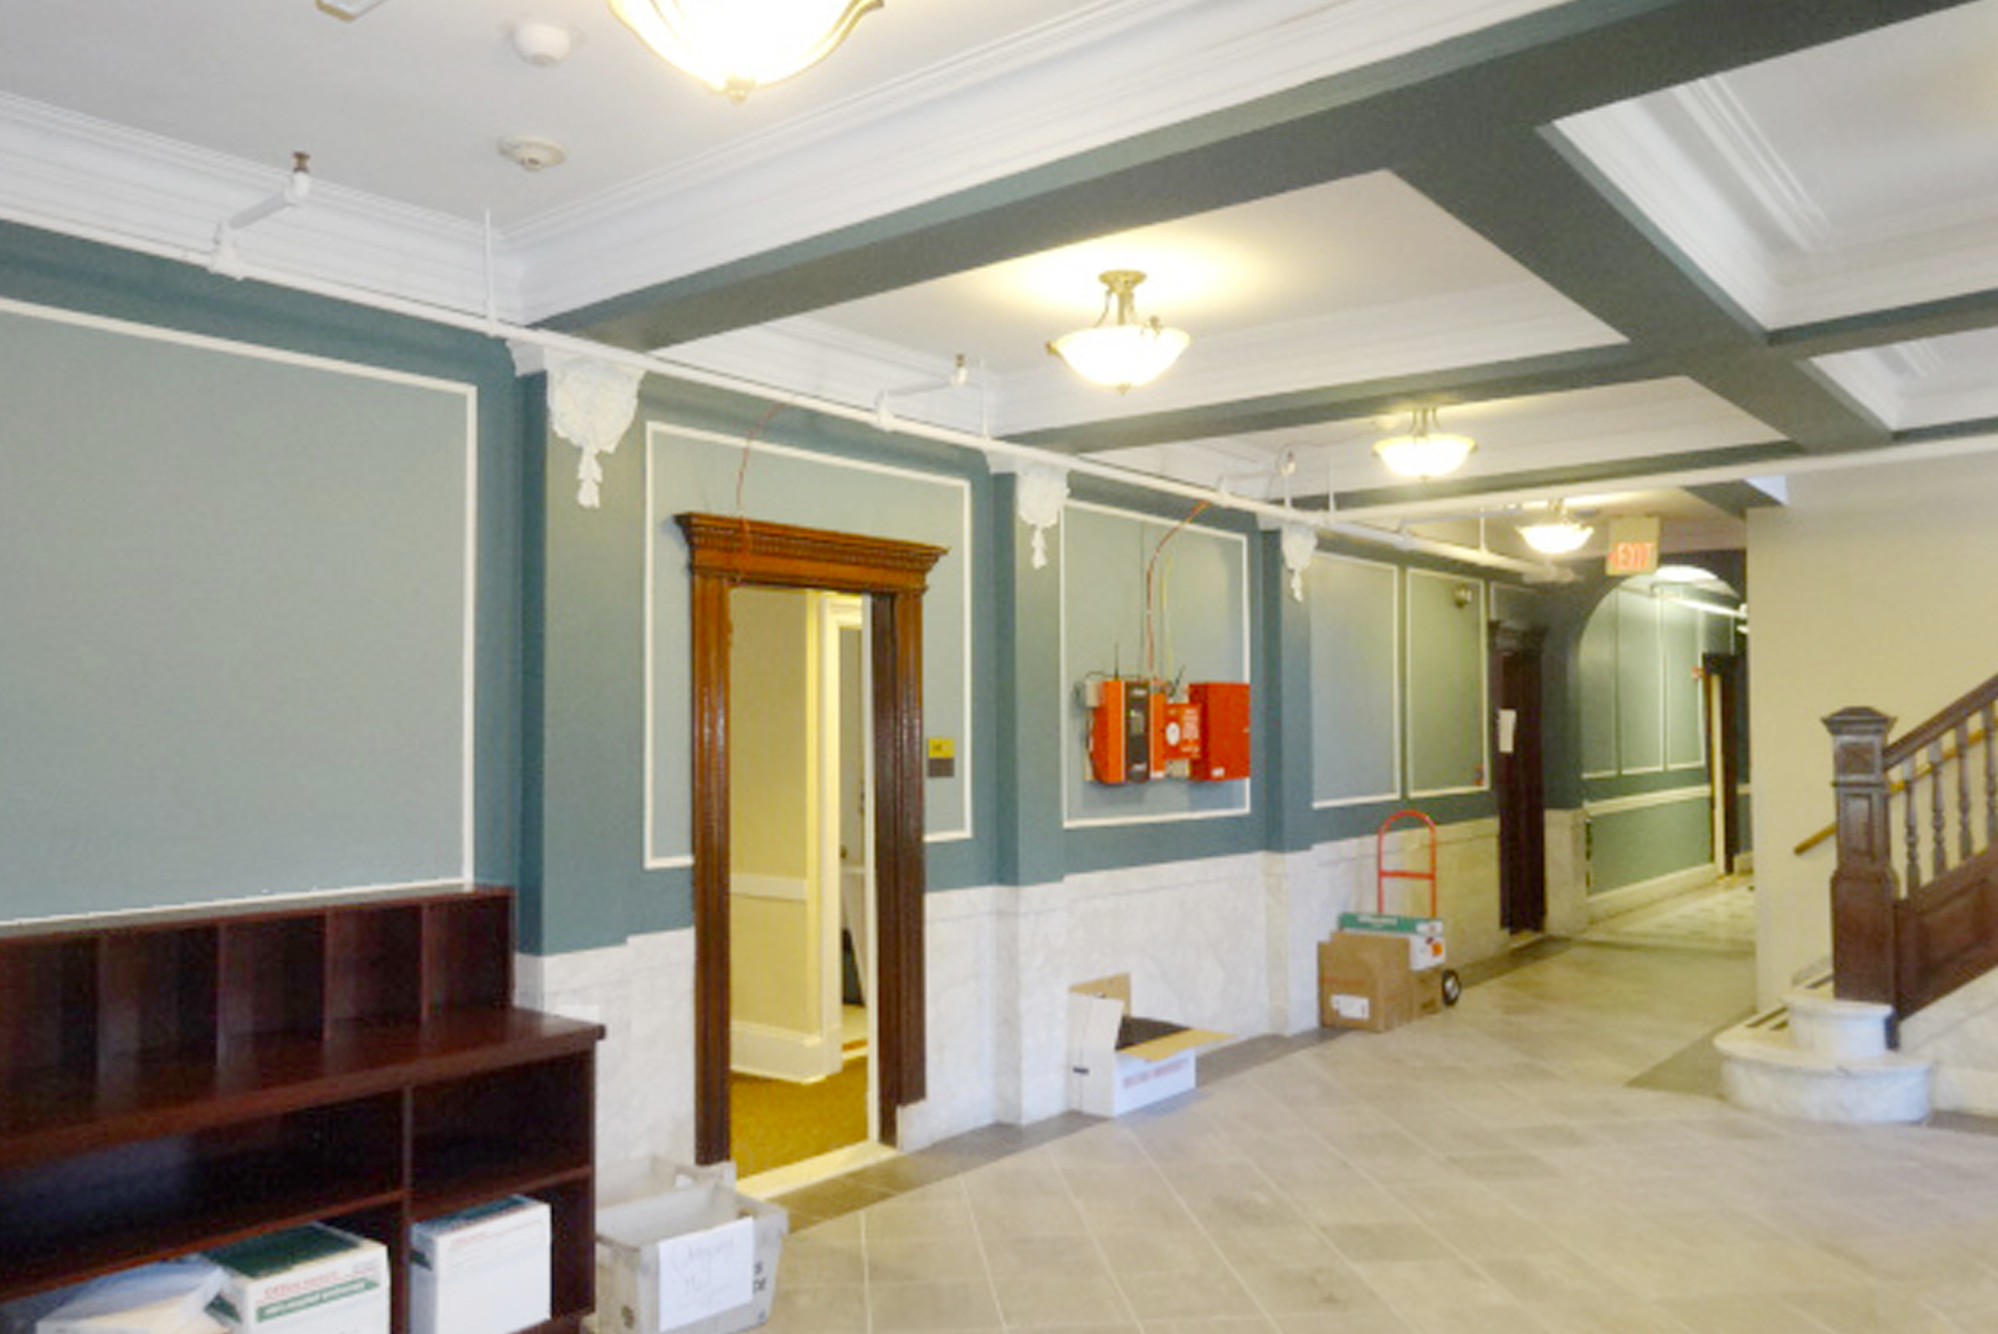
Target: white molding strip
468, 626
1484, 688
1643, 801
1074, 769
780, 1053
775, 888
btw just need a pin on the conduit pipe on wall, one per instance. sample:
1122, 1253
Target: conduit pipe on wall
1340, 525
492, 327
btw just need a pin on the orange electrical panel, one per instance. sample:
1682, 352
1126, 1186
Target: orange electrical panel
1120, 725
1224, 730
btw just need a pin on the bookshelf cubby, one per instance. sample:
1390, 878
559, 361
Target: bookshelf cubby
180, 1080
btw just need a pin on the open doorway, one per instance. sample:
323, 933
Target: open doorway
800, 893
725, 556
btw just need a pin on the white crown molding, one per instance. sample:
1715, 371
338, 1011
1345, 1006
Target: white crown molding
59, 169
1911, 385
1096, 77
1665, 184
806, 356
1758, 169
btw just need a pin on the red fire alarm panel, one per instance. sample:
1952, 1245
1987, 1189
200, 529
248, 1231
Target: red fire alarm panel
1120, 725
1175, 731
1224, 730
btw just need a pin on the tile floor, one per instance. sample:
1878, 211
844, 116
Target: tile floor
1490, 1170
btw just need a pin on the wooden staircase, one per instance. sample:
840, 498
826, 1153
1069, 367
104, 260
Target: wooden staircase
1910, 926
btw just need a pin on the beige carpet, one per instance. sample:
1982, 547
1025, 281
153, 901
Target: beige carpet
777, 1123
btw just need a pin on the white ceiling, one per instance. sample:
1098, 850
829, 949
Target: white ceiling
1795, 255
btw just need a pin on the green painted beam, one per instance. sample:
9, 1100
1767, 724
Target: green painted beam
1486, 88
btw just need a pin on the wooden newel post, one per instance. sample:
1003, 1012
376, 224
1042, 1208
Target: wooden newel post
1863, 888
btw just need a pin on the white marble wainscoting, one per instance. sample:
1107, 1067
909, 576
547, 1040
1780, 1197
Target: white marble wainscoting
642, 992
1306, 893
961, 976
1567, 873
1227, 943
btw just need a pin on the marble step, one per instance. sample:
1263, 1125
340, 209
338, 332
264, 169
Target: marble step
1821, 1059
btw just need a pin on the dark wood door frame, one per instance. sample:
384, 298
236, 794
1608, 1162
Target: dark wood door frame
1725, 767
726, 553
1519, 785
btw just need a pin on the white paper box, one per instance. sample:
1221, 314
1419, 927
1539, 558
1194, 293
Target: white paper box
1105, 1080
167, 1298
481, 1271
308, 1280
696, 1259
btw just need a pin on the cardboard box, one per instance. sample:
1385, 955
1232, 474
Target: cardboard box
307, 1280
697, 1259
1426, 988
483, 1270
1118, 1063
1423, 934
1364, 982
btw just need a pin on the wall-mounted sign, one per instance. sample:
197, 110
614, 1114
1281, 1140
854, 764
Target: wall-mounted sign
1633, 545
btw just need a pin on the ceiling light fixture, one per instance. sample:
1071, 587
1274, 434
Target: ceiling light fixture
1424, 452
1126, 354
1559, 534
736, 48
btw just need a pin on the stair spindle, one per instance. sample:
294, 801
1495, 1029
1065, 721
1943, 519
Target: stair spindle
1964, 848
1990, 776
1938, 816
1914, 838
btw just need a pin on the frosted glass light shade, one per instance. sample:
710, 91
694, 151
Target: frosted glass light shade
1423, 455
1557, 536
738, 46
1124, 353
1121, 356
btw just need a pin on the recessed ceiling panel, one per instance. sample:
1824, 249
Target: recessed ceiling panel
1853, 176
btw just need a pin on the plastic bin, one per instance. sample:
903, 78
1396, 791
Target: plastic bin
694, 1257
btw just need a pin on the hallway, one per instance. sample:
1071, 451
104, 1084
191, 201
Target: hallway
1489, 1170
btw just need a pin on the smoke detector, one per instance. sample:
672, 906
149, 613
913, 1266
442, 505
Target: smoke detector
542, 43
532, 153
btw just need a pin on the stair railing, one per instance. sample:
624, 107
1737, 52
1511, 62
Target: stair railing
1928, 800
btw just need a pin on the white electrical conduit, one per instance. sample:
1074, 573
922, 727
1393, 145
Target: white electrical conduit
1343, 525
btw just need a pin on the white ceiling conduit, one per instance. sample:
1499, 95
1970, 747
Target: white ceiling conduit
1358, 525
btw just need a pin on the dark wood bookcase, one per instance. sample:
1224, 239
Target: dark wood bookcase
175, 1081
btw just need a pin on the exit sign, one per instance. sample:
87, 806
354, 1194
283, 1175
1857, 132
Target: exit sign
1633, 545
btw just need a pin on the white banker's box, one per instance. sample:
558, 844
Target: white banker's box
307, 1280
483, 1270
1117, 1064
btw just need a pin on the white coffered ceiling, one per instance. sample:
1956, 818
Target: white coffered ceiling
1616, 240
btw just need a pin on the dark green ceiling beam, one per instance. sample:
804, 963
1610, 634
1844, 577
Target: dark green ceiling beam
1357, 401
1501, 82
1603, 474
1883, 328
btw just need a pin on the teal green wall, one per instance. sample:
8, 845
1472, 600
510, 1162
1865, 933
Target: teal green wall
560, 653
1639, 704
235, 595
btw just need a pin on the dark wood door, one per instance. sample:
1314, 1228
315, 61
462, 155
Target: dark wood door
1517, 782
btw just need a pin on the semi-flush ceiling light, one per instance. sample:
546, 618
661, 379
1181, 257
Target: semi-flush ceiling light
737, 46
1556, 535
1128, 353
1425, 452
